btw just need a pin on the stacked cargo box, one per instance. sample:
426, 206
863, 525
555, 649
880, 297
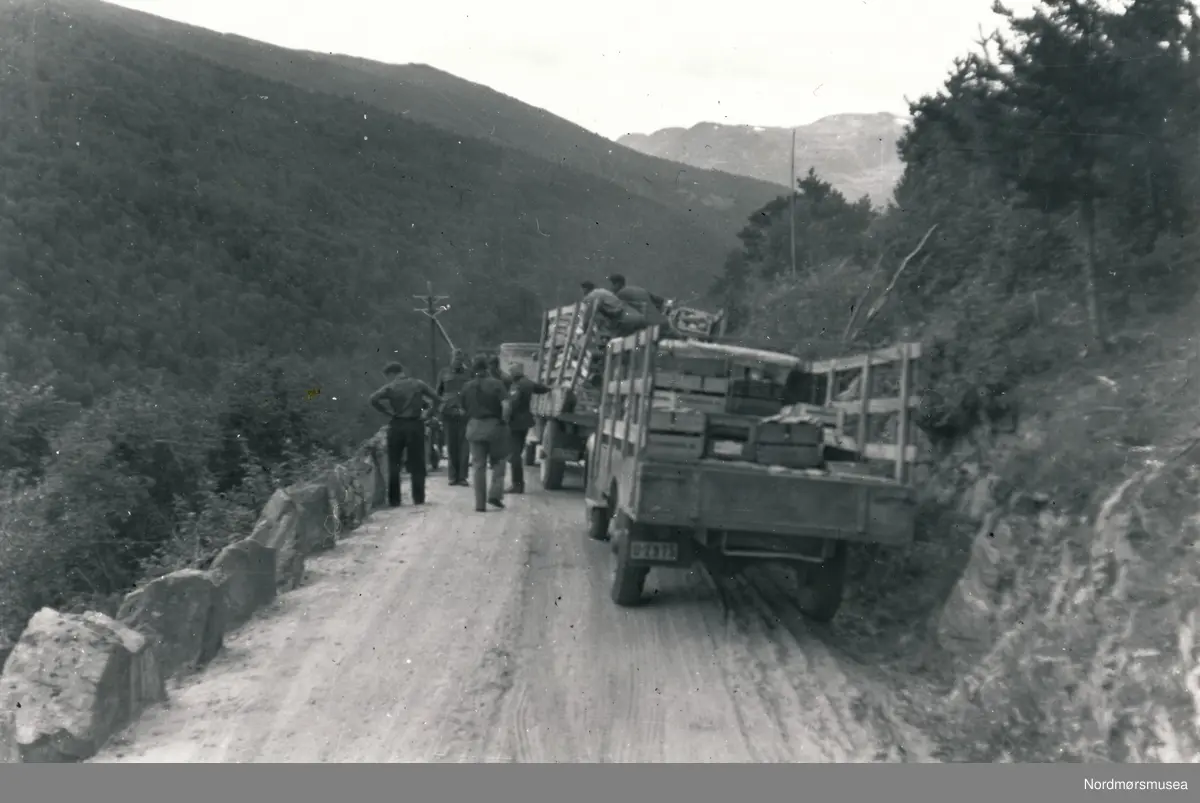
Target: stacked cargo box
707, 406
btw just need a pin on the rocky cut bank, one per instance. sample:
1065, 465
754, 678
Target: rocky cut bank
74, 681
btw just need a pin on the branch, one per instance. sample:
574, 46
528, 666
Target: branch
879, 302
862, 300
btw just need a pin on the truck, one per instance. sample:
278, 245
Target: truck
568, 349
526, 354
730, 456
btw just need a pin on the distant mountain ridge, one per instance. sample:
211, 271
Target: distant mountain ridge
854, 152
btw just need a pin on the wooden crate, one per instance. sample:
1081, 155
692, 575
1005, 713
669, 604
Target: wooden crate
673, 446
680, 422
727, 449
778, 433
788, 455
757, 389
692, 366
694, 402
756, 407
691, 383
793, 445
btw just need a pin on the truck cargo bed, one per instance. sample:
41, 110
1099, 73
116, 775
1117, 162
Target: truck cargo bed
730, 495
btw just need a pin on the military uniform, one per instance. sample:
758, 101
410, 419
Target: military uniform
483, 399
405, 397
520, 420
454, 421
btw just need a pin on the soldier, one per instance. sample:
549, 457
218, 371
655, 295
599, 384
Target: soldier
495, 370
642, 300
615, 317
485, 402
454, 421
404, 397
520, 420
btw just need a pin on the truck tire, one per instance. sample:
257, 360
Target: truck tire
628, 581
552, 469
531, 454
822, 585
598, 520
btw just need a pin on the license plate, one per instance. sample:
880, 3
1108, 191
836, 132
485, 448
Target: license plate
654, 550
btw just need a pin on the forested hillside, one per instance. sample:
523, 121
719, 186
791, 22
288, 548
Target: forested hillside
1044, 244
202, 272
714, 201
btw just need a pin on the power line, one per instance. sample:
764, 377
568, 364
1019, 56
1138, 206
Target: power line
433, 306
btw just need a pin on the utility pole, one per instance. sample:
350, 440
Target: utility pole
792, 204
434, 306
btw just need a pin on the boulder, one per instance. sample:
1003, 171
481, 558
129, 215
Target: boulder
375, 452
278, 529
356, 483
71, 683
970, 618
245, 575
316, 519
183, 614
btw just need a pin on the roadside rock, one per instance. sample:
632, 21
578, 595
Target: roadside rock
183, 614
375, 451
278, 529
245, 576
357, 479
71, 683
317, 522
970, 617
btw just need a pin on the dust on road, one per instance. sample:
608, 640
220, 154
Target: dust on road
442, 634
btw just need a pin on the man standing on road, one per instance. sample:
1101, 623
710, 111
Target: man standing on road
519, 421
454, 420
485, 400
495, 370
404, 397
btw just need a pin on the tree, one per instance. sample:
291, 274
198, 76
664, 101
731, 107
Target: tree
1069, 106
828, 228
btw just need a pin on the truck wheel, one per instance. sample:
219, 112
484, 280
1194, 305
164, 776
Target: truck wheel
553, 468
628, 580
821, 587
531, 454
598, 519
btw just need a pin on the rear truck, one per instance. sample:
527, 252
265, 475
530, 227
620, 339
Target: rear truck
732, 456
570, 360
525, 354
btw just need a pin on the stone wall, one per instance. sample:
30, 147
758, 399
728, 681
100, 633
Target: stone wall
73, 681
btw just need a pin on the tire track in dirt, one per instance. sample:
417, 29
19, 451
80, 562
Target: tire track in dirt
441, 634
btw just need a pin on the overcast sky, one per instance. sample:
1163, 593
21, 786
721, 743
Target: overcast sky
638, 65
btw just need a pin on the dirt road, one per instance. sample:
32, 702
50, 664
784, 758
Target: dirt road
441, 634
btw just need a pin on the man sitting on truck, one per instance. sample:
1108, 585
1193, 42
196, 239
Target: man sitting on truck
613, 317
642, 300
